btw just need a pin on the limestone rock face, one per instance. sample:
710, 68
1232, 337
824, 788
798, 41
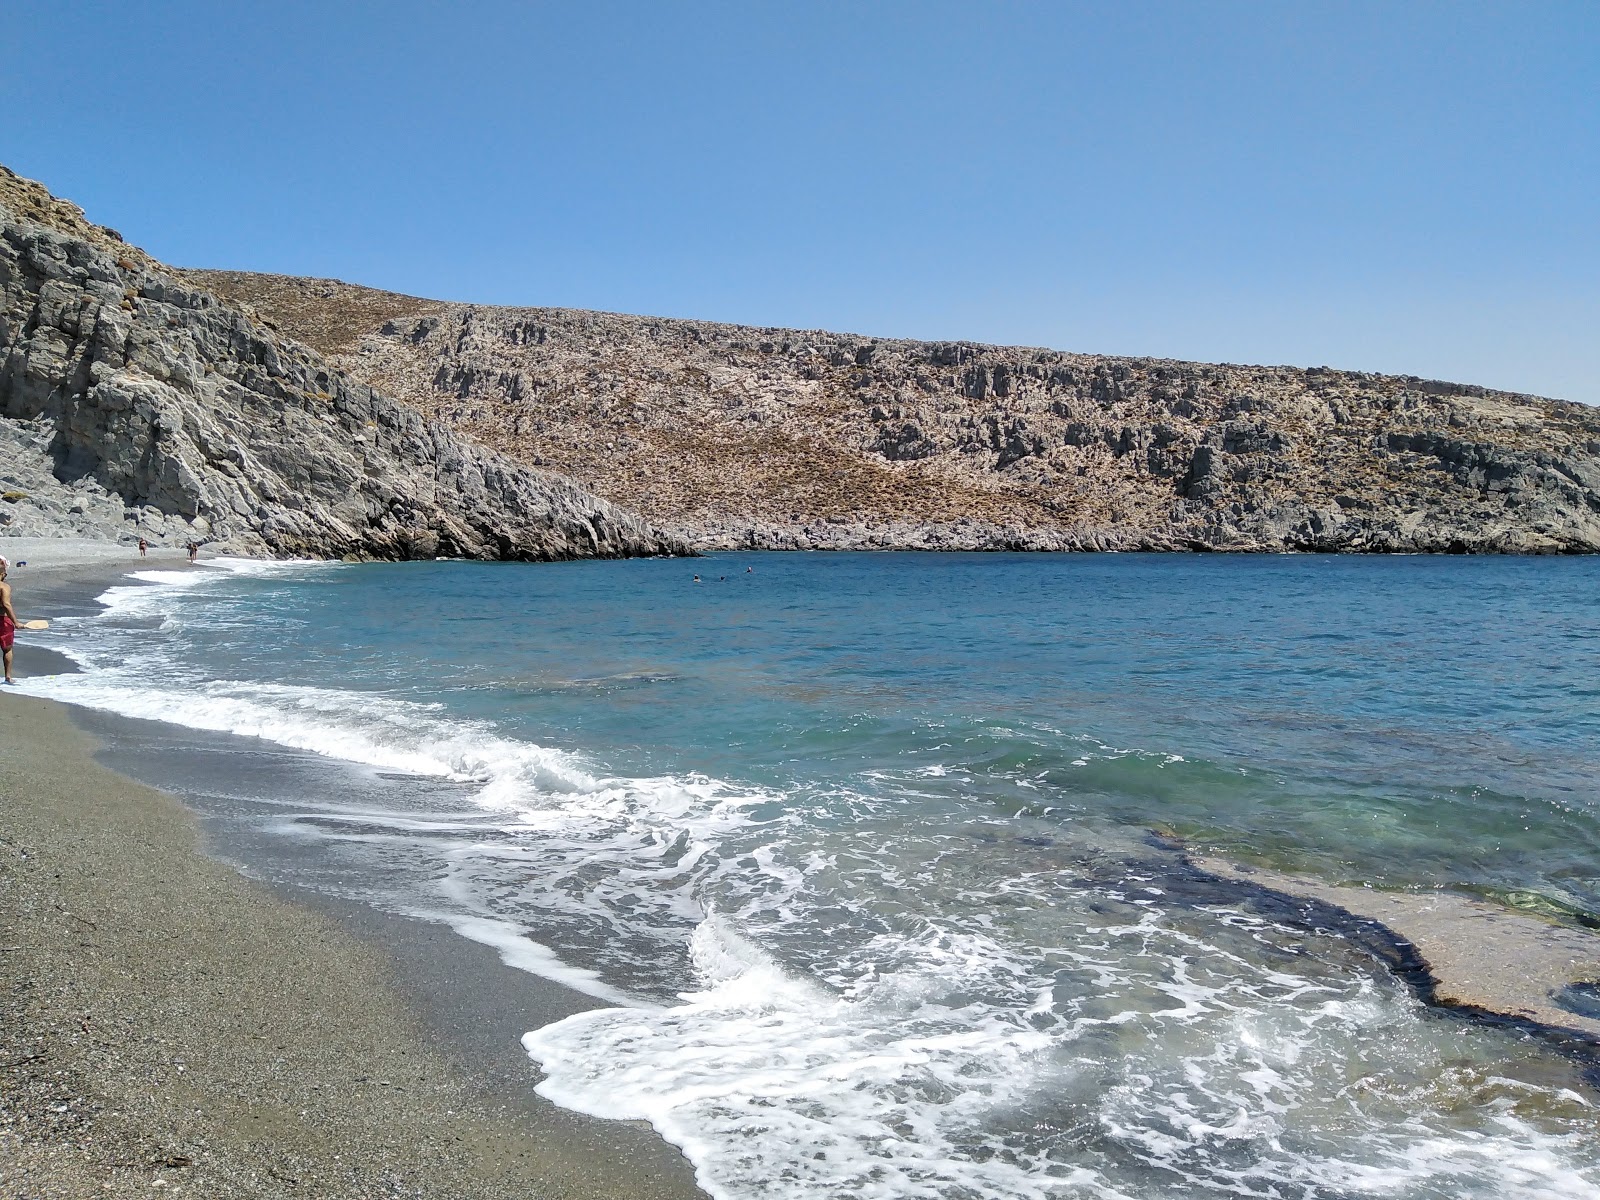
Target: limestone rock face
136, 404
748, 437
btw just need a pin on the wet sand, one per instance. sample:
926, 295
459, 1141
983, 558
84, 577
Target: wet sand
167, 1023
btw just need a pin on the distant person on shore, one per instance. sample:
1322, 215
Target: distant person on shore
194, 551
143, 546
8, 618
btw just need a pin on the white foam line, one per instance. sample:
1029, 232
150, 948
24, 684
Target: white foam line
211, 709
270, 566
160, 583
521, 952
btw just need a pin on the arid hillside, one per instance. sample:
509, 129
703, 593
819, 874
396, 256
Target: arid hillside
133, 404
739, 436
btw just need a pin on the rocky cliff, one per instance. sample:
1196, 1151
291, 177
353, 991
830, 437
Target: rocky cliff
136, 404
736, 436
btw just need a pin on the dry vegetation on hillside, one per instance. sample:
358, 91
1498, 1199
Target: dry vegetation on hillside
740, 435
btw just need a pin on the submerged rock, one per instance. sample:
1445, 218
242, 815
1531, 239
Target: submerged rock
1477, 956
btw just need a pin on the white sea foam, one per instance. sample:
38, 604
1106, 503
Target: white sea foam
954, 1071
363, 728
157, 589
553, 799
518, 950
865, 1007
777, 1087
152, 596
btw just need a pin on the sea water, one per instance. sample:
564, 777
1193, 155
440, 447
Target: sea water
873, 864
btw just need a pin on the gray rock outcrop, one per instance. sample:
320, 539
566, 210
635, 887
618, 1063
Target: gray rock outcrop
735, 436
136, 404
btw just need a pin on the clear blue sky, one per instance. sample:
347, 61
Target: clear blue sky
1408, 187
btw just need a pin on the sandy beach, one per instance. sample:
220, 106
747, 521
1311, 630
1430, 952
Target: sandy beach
165, 1022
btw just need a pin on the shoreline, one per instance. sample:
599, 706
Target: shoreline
841, 535
168, 1021
450, 1003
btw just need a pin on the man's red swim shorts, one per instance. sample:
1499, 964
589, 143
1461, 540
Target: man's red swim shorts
8, 632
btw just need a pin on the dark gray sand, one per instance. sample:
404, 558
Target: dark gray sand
166, 1023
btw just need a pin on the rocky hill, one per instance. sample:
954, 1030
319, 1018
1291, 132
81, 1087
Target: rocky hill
136, 404
261, 412
735, 436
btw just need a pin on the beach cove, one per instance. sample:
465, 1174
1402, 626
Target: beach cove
800, 604
346, 836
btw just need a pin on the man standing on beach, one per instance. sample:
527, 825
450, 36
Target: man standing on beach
8, 618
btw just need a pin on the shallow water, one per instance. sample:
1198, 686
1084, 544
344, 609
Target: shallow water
857, 848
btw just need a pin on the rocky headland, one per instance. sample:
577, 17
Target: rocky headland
734, 436
135, 404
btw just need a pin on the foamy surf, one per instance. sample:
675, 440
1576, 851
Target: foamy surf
866, 953
518, 950
775, 1087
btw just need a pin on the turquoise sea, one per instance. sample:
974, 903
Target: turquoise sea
873, 864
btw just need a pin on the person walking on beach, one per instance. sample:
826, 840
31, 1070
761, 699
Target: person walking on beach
8, 618
194, 550
143, 546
